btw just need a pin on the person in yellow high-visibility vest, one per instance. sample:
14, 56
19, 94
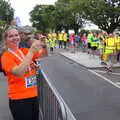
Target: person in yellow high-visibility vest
94, 43
101, 48
65, 39
117, 39
54, 37
110, 50
60, 38
49, 36
51, 45
104, 56
89, 37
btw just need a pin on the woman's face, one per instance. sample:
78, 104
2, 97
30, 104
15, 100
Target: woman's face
13, 38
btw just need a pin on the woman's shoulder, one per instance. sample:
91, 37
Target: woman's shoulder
24, 50
5, 53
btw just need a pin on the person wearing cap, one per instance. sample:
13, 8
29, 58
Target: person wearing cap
37, 36
25, 36
18, 64
22, 43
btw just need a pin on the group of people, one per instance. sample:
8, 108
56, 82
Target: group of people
54, 39
93, 43
18, 62
105, 45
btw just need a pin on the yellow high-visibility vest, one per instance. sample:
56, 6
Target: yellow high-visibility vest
49, 36
51, 43
101, 45
60, 36
65, 37
93, 42
54, 36
117, 40
89, 37
110, 46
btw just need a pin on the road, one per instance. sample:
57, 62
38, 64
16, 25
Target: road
4, 109
112, 77
88, 96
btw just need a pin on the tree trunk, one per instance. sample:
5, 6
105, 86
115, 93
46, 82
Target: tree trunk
66, 30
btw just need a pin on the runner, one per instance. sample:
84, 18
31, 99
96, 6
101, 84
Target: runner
18, 64
110, 52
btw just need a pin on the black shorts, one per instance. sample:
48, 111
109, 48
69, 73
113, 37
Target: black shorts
93, 48
89, 45
25, 109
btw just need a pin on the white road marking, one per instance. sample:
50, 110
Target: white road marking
106, 79
101, 71
118, 83
116, 73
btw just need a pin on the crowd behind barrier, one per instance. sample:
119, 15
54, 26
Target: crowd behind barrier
102, 44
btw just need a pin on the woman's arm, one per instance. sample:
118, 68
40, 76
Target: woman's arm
23, 66
20, 69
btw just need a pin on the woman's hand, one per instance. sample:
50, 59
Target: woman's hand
37, 45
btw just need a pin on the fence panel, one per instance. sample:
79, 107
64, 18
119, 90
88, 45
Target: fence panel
51, 104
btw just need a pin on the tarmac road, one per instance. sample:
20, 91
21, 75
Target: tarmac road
88, 96
4, 107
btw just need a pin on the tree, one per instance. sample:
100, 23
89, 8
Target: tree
57, 17
6, 14
104, 13
42, 17
68, 18
6, 11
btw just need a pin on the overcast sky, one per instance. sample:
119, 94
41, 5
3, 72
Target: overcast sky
23, 7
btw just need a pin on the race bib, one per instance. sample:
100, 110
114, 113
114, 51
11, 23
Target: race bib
30, 81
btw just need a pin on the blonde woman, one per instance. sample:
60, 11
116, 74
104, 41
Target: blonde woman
20, 71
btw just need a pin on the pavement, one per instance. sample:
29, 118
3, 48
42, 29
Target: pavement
84, 59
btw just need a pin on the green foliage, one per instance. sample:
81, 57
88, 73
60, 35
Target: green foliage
71, 14
57, 17
6, 14
69, 19
6, 11
42, 17
104, 13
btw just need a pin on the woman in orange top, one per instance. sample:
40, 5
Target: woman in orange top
21, 74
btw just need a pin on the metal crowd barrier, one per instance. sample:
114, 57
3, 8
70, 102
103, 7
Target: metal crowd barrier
51, 104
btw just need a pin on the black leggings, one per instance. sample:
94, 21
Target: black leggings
25, 109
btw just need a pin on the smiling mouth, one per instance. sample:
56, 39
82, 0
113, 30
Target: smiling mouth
16, 41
